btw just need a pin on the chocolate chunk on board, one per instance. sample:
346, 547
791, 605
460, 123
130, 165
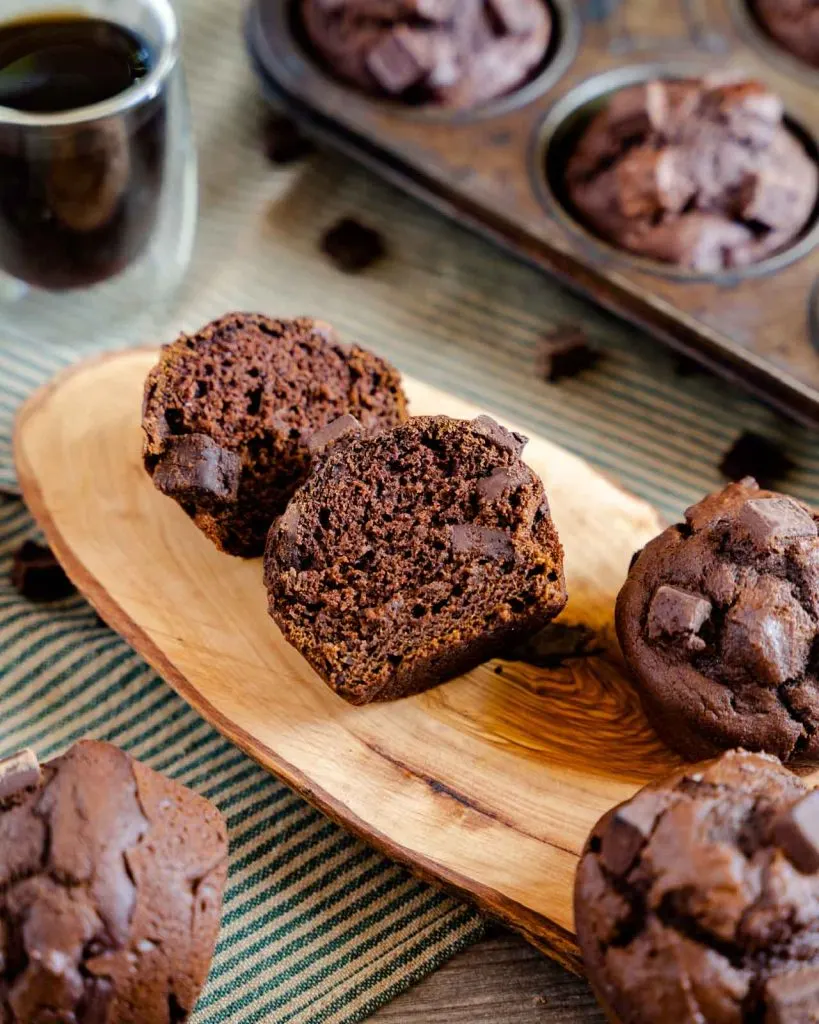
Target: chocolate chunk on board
757, 456
283, 140
37, 575
352, 246
565, 352
797, 833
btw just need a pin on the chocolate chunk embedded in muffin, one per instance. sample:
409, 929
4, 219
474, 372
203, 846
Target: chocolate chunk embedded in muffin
111, 881
703, 174
794, 24
229, 413
413, 556
718, 621
453, 53
698, 900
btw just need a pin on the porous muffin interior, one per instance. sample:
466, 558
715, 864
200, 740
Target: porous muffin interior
261, 388
411, 555
699, 898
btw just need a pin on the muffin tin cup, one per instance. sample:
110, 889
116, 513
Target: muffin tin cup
485, 168
560, 132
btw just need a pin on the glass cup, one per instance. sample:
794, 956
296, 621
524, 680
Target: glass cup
98, 204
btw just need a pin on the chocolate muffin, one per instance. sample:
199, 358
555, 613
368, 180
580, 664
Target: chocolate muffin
794, 24
229, 412
453, 53
698, 900
411, 557
111, 881
701, 174
718, 622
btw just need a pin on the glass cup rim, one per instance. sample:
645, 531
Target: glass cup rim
134, 96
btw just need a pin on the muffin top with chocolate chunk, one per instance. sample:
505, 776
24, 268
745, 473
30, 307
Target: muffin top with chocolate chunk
702, 174
453, 53
718, 620
698, 900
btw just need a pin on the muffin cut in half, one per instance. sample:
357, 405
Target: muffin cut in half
411, 557
229, 412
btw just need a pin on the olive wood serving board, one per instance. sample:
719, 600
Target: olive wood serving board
488, 784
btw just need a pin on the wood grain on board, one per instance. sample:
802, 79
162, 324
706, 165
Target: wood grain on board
488, 784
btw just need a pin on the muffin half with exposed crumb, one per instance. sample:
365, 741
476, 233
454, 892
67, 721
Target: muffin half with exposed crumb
229, 413
411, 557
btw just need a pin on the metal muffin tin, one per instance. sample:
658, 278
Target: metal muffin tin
487, 168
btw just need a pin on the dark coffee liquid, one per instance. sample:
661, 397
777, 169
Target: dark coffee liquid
77, 203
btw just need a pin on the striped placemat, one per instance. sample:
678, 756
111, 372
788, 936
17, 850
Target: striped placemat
317, 927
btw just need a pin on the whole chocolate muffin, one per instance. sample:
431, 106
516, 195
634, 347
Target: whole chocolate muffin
701, 174
454, 53
794, 24
718, 621
698, 900
410, 557
229, 412
111, 881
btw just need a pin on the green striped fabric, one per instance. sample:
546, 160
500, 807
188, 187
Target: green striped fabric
317, 927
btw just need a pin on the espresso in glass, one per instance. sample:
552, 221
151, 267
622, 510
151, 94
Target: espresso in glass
78, 202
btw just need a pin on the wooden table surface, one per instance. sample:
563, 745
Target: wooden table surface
500, 980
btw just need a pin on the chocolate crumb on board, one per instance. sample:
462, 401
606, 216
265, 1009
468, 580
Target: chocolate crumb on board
565, 351
757, 456
352, 246
283, 140
37, 575
554, 645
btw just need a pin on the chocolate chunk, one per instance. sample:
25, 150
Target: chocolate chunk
767, 634
37, 575
284, 142
752, 112
770, 519
400, 60
288, 527
636, 112
481, 541
796, 832
628, 829
490, 428
499, 482
756, 456
352, 246
346, 426
194, 468
650, 181
675, 613
565, 352
18, 772
793, 998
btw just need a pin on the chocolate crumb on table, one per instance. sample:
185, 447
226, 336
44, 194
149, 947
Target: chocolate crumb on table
757, 456
37, 575
698, 899
565, 351
284, 141
353, 246
556, 644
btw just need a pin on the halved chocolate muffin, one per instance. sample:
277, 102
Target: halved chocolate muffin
704, 174
412, 556
230, 410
